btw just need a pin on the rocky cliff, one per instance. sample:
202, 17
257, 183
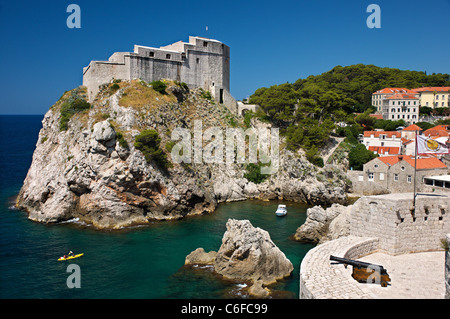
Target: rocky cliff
86, 165
247, 254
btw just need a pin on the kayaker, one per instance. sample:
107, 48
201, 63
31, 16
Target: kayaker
70, 253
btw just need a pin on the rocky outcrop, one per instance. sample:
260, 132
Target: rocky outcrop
246, 254
200, 257
324, 224
93, 172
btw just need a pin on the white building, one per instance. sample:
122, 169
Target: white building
401, 106
383, 143
380, 95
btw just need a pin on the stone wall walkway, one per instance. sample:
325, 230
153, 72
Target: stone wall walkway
418, 275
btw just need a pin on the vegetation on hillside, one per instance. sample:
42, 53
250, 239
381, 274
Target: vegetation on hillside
148, 142
307, 111
75, 103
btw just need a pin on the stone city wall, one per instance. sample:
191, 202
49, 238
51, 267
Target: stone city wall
447, 269
400, 228
320, 279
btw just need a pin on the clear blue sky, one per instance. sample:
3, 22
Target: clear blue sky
271, 42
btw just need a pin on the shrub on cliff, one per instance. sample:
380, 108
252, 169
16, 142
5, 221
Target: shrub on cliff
69, 108
159, 86
148, 142
253, 173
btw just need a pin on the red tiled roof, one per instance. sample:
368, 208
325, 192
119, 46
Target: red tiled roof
400, 96
385, 149
393, 90
377, 116
378, 133
435, 133
432, 89
442, 127
426, 163
391, 160
412, 127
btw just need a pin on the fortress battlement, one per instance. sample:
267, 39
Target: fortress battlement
200, 63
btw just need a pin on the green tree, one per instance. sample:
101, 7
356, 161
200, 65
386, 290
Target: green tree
148, 142
253, 173
358, 156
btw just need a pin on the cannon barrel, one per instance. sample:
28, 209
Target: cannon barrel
356, 263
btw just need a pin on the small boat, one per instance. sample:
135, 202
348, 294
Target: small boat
70, 257
281, 210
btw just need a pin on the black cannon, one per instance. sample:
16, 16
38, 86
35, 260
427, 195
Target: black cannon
365, 272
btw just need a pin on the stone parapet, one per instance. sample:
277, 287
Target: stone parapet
319, 279
447, 269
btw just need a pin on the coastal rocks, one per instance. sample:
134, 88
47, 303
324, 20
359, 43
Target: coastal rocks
200, 257
246, 254
324, 224
91, 170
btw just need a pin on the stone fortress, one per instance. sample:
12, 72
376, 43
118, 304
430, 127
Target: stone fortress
200, 63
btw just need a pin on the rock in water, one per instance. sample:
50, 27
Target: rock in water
317, 227
248, 253
199, 256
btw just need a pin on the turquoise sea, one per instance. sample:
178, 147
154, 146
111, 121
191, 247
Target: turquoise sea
138, 262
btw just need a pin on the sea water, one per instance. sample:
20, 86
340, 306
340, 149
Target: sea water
137, 262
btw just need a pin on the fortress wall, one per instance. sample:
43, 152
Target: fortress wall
447, 269
320, 279
101, 72
153, 69
201, 63
391, 219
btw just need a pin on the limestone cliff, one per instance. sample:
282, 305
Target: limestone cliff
86, 165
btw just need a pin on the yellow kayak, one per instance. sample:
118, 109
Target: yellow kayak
70, 257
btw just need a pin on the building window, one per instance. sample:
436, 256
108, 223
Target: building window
168, 56
409, 179
393, 116
375, 166
381, 176
198, 60
396, 177
437, 97
392, 110
426, 103
370, 176
151, 54
205, 44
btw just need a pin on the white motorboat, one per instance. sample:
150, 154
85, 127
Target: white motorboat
281, 210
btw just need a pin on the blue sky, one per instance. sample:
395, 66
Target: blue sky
271, 42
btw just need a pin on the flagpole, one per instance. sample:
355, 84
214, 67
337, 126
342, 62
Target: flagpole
415, 169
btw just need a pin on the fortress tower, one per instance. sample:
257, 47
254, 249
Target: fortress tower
201, 63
